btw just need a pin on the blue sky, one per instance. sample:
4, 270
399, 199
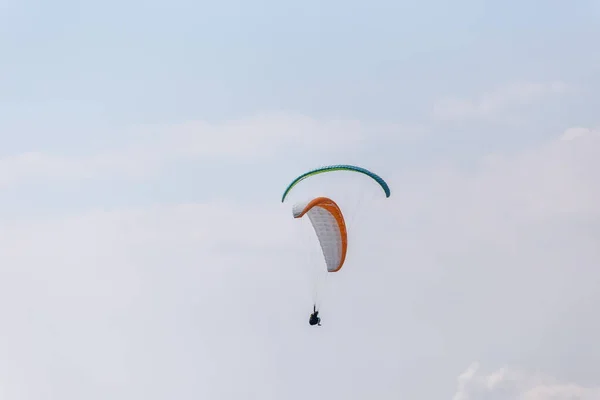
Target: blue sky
144, 147
127, 63
76, 75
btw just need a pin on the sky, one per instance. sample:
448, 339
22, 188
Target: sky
145, 252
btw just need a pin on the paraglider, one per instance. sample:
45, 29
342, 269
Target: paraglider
328, 222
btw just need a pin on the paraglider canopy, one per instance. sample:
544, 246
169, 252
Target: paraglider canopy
339, 167
329, 225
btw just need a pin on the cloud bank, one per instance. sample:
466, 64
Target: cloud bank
212, 300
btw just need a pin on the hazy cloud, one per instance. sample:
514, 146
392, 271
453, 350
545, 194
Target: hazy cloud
212, 299
258, 138
516, 384
497, 102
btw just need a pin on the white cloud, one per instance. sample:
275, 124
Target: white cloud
134, 302
463, 382
246, 140
511, 384
212, 300
497, 102
579, 132
508, 192
257, 137
37, 165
